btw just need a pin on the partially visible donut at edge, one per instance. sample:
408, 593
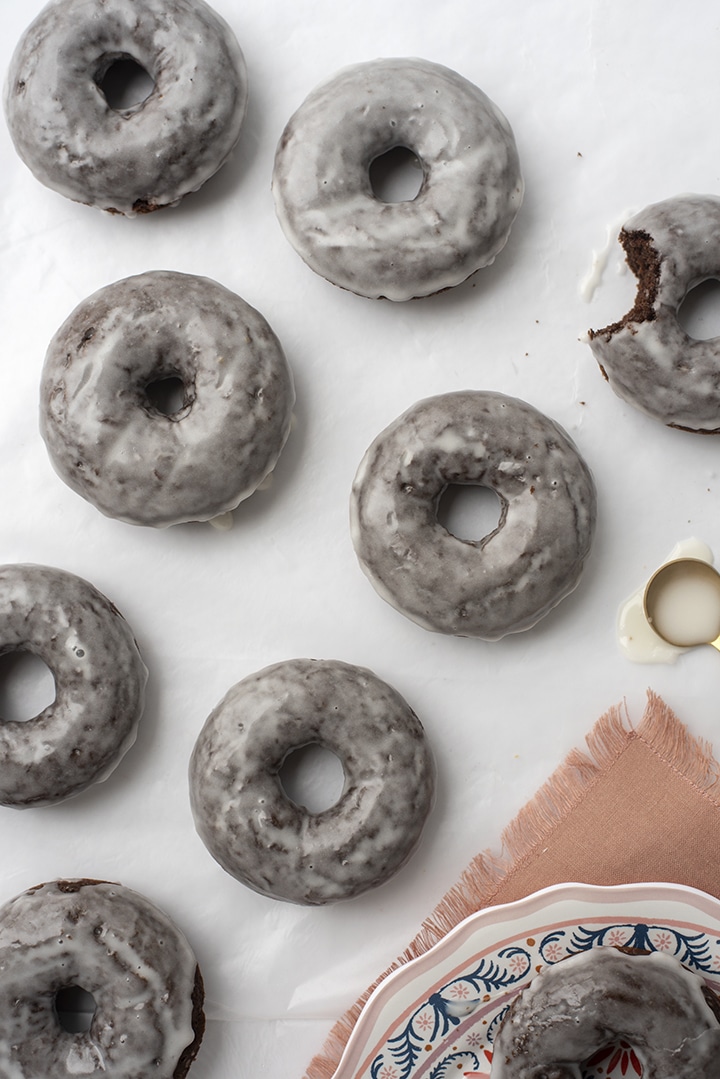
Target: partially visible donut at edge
122, 950
134, 461
647, 356
471, 186
83, 734
126, 160
665, 1014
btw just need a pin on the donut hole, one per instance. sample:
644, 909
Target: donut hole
699, 313
167, 395
468, 511
312, 777
27, 686
396, 176
123, 82
75, 1009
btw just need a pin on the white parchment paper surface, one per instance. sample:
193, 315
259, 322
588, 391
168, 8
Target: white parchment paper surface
614, 105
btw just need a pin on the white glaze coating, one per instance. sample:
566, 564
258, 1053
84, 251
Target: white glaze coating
258, 834
129, 459
461, 217
595, 998
142, 158
648, 358
117, 946
509, 579
100, 679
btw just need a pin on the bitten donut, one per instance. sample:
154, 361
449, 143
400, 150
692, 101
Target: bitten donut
100, 679
126, 160
509, 579
470, 193
593, 999
278, 848
107, 437
121, 949
647, 357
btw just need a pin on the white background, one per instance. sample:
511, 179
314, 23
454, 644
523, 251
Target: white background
614, 105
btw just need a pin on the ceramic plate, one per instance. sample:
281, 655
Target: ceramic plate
437, 1016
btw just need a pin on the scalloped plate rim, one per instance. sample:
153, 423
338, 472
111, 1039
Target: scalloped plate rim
504, 915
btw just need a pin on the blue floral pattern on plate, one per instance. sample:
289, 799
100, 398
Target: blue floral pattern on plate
452, 1029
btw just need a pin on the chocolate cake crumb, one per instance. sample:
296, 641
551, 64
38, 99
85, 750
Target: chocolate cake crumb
198, 1024
644, 261
68, 887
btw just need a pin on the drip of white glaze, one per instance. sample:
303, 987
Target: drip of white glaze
223, 522
593, 278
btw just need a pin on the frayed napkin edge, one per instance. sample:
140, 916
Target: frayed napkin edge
659, 729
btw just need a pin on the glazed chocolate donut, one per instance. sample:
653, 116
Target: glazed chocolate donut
122, 950
582, 1004
134, 461
137, 159
470, 193
509, 579
100, 679
647, 357
278, 848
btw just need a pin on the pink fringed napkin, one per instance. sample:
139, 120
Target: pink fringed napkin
641, 804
